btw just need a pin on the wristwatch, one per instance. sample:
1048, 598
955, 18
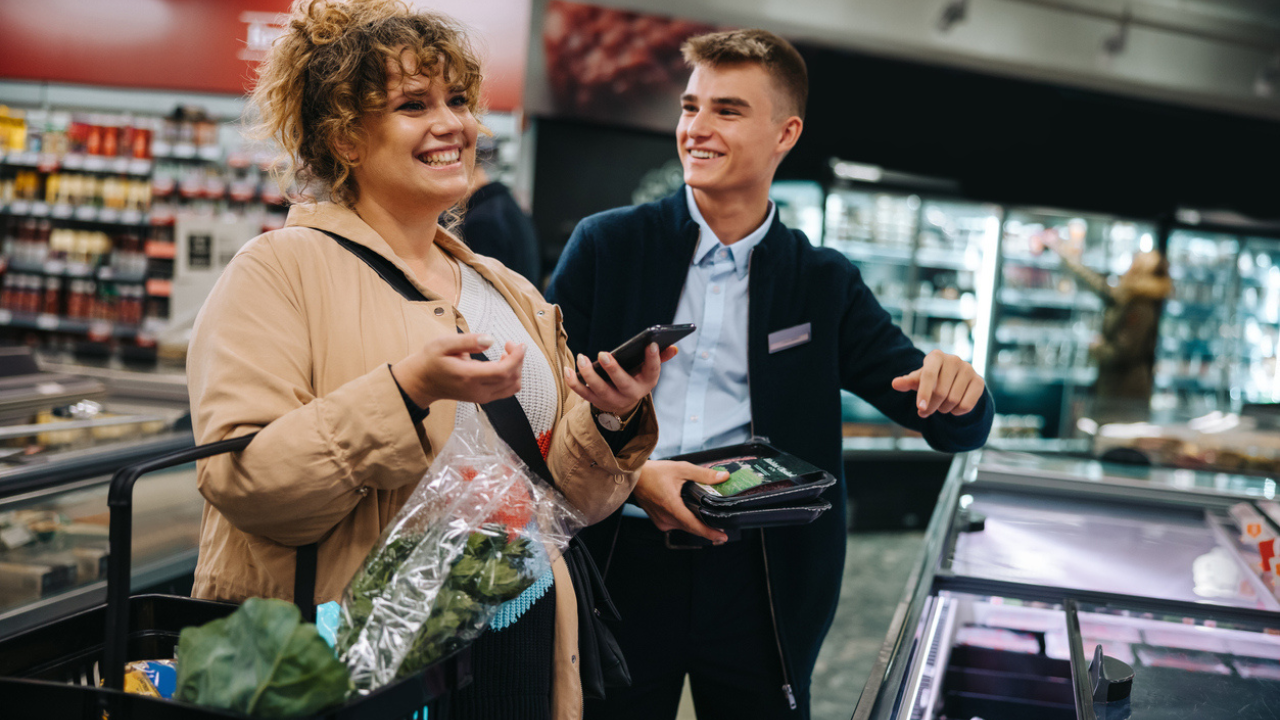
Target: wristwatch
607, 420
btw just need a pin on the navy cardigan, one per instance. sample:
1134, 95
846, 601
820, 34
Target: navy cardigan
624, 270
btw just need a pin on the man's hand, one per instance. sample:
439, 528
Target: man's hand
945, 384
658, 492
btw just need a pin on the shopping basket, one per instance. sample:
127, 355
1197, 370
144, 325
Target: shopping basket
55, 670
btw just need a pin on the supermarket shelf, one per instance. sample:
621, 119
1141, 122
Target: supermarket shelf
947, 258
1049, 299
59, 268
1030, 335
1025, 373
47, 162
83, 213
1179, 309
943, 308
872, 252
1164, 380
55, 323
1047, 261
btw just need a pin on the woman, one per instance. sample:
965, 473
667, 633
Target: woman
1126, 348
351, 387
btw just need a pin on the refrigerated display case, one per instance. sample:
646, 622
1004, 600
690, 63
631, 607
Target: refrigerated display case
931, 264
1033, 563
1255, 376
1197, 328
1045, 317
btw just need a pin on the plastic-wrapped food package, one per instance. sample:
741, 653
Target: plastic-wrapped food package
478, 531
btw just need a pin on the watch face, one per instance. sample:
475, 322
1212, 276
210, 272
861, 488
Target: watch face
609, 421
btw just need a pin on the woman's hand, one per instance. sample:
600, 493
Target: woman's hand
627, 390
444, 370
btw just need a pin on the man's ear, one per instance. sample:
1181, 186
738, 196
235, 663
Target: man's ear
790, 134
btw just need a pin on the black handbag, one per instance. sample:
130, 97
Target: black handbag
602, 664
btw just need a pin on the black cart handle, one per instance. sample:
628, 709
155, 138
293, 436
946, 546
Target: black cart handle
120, 502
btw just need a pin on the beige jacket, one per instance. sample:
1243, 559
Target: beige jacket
294, 342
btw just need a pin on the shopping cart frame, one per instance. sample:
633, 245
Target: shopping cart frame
44, 648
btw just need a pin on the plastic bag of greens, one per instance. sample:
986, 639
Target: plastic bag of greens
479, 529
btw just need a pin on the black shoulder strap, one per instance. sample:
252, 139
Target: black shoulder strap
384, 267
304, 581
507, 416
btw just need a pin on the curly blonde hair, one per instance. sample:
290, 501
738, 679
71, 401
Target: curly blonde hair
330, 68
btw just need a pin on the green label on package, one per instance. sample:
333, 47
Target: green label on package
754, 473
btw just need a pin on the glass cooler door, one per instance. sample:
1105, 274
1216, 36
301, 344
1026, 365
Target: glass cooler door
1196, 328
929, 262
1046, 318
1255, 376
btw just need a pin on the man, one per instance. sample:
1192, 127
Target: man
782, 327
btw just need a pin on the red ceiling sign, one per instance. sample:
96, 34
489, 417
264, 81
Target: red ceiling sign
209, 45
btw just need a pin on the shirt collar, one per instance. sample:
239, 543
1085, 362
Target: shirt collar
709, 243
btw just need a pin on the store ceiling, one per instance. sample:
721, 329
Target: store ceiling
1216, 54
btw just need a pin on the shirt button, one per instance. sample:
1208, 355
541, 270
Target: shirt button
693, 418
715, 289
439, 311
705, 354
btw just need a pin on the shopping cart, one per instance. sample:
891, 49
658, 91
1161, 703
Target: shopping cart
74, 667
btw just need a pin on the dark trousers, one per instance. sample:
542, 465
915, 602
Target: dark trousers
702, 613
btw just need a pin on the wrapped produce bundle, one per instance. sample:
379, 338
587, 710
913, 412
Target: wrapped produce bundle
478, 531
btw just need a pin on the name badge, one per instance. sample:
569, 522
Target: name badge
789, 338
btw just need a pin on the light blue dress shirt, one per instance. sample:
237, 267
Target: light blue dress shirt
702, 397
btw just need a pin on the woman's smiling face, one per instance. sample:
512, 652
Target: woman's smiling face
419, 152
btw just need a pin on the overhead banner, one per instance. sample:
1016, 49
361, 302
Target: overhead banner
610, 66
212, 46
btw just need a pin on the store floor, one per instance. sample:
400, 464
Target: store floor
875, 576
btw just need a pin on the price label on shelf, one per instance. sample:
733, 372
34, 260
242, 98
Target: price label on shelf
48, 162
6, 317
139, 167
109, 215
95, 163
20, 207
54, 267
120, 165
61, 211
131, 217
87, 213
73, 161
45, 321
184, 150
39, 209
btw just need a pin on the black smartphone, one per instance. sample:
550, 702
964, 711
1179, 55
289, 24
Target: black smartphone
630, 354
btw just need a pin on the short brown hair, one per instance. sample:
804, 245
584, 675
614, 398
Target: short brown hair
330, 68
778, 57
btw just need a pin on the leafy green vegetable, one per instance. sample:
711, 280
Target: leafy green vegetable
491, 569
261, 660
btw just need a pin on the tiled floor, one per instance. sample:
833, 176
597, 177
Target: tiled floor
875, 575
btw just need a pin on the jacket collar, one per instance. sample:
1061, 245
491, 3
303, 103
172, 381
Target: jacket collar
341, 220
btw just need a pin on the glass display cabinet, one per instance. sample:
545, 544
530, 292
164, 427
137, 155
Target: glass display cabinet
931, 264
1046, 317
1059, 588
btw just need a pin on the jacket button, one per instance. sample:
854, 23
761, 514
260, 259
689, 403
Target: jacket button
439, 311
364, 490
